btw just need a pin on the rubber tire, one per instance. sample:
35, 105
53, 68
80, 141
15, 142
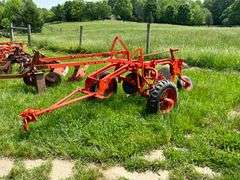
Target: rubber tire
53, 79
128, 88
29, 80
153, 103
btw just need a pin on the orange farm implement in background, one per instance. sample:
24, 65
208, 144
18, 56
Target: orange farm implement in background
139, 74
28, 66
7, 48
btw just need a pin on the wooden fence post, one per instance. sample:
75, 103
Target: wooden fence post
148, 43
81, 36
148, 38
12, 32
29, 34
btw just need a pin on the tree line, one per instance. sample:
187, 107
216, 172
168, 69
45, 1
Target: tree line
183, 12
21, 13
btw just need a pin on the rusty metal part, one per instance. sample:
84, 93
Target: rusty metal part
29, 79
8, 47
52, 79
130, 83
6, 68
14, 55
40, 82
78, 73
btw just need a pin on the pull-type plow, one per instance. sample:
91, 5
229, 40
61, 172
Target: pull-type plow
137, 73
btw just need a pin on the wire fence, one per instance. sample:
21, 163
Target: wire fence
75, 39
5, 33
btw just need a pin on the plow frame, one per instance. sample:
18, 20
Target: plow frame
116, 68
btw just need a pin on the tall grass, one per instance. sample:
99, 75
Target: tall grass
211, 47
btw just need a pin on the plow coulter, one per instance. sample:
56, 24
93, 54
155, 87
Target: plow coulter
138, 73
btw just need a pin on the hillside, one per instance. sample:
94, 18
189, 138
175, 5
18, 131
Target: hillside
210, 47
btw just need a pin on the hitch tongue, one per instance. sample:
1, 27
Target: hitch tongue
29, 116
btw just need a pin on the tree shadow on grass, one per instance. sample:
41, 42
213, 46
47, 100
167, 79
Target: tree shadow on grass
22, 88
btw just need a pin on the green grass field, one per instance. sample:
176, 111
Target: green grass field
117, 130
209, 47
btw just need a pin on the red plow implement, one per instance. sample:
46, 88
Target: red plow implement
139, 74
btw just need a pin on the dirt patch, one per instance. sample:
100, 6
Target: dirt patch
234, 113
61, 169
181, 149
188, 136
31, 164
155, 155
236, 131
5, 166
163, 174
115, 173
206, 171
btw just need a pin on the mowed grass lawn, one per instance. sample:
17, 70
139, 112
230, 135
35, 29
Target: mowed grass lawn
117, 130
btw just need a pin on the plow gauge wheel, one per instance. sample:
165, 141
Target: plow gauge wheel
185, 83
162, 97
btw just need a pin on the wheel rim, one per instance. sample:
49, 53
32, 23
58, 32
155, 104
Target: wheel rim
187, 84
168, 101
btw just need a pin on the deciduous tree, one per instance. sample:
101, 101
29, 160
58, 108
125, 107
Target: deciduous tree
123, 9
31, 15
150, 10
231, 16
170, 15
184, 14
